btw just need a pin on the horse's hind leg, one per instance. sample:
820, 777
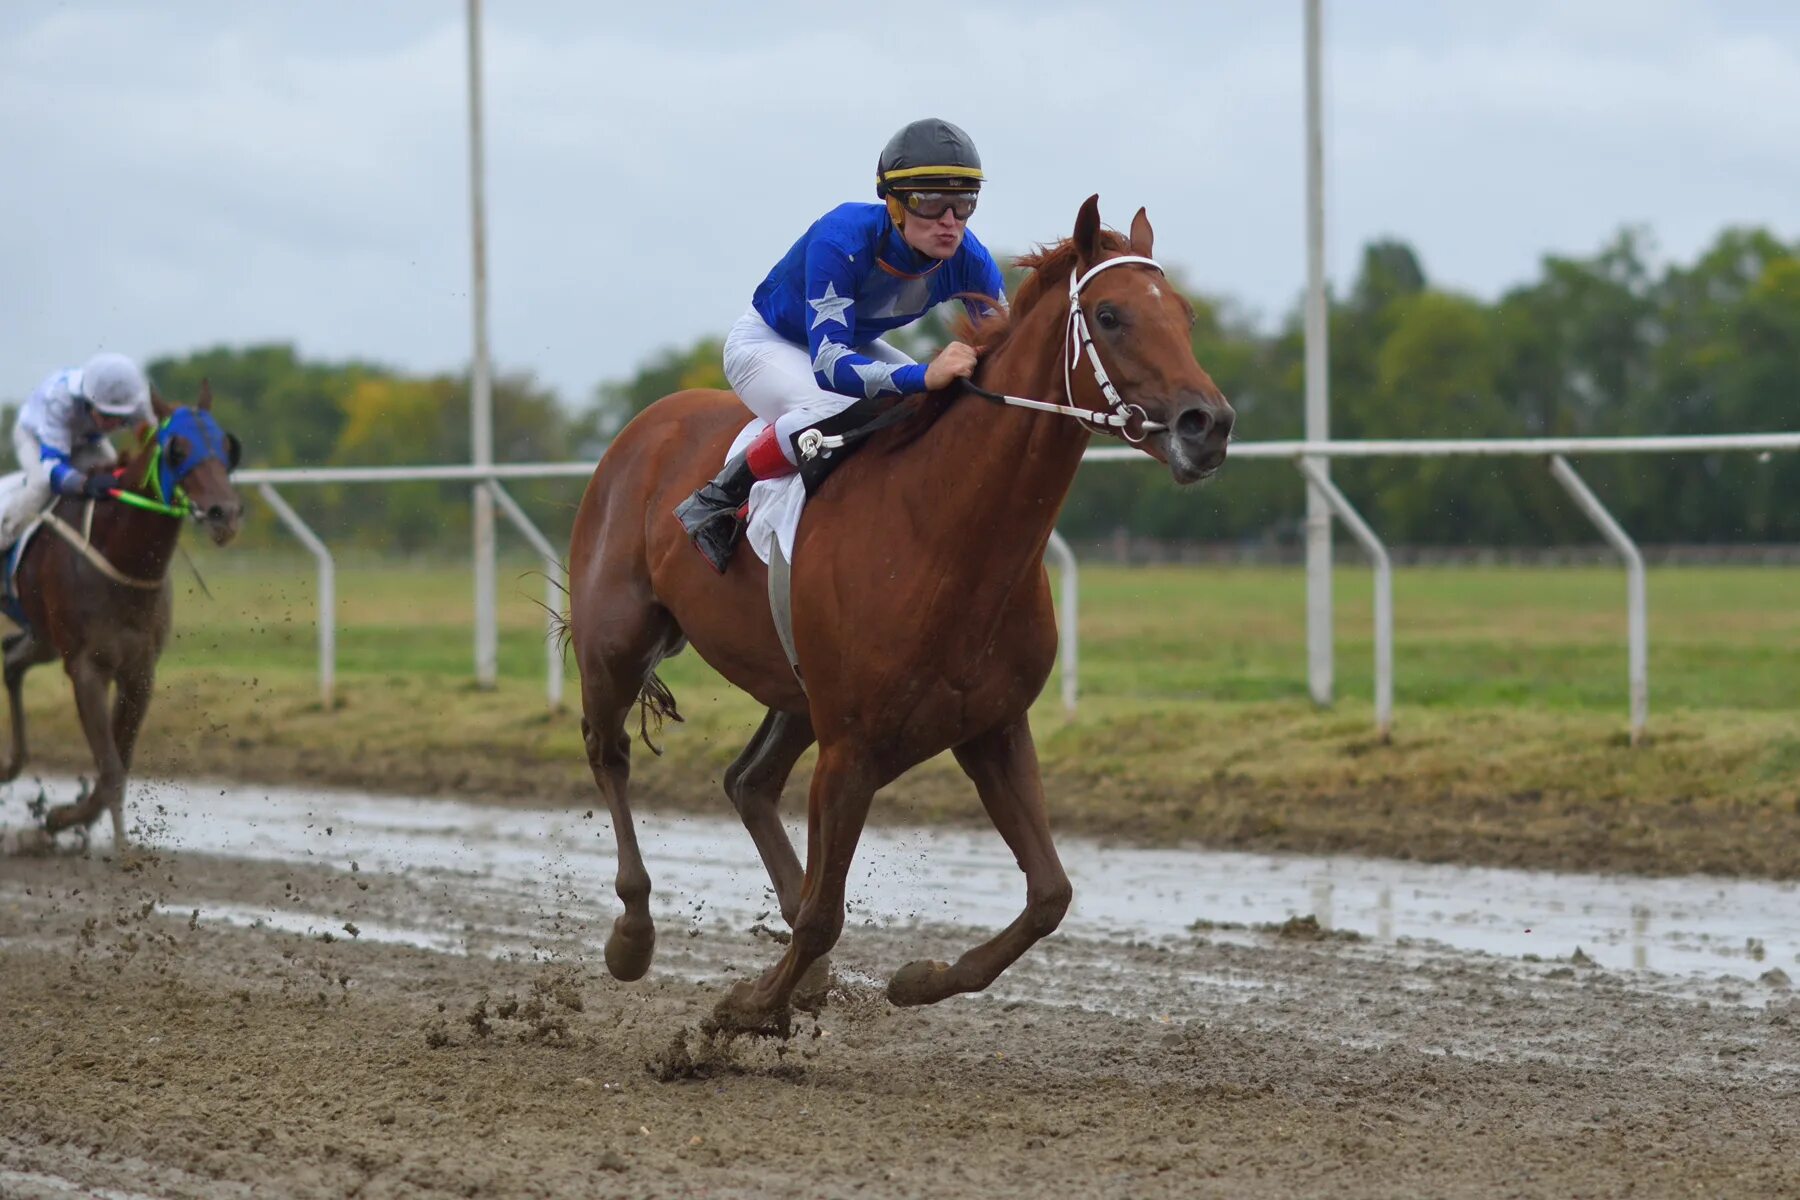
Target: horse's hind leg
754, 783
90, 685
614, 666
1004, 766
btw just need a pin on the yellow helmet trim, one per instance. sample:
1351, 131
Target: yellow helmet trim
916, 172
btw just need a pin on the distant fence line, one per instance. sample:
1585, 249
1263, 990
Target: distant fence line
1127, 549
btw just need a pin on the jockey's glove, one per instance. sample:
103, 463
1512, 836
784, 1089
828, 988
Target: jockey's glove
99, 486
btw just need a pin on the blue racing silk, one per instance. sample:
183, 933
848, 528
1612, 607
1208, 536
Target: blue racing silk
851, 278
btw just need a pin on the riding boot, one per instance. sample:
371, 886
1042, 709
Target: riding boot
714, 517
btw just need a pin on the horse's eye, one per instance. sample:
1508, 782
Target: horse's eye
178, 450
1107, 317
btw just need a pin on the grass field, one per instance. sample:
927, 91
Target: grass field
1509, 733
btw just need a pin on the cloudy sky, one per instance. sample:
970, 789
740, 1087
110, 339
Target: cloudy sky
185, 174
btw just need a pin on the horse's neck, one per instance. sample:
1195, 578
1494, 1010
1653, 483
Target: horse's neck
1003, 469
137, 543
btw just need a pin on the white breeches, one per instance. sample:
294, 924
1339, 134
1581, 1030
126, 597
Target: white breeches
774, 378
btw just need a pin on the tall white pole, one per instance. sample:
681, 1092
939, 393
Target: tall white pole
1318, 393
481, 400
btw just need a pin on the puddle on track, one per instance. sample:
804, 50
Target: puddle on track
532, 863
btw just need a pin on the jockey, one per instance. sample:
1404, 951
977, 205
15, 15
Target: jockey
809, 348
60, 436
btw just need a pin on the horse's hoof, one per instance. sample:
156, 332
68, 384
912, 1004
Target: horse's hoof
30, 841
739, 1014
921, 982
814, 986
630, 947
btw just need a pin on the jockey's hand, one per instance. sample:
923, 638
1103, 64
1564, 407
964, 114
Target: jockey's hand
99, 486
955, 361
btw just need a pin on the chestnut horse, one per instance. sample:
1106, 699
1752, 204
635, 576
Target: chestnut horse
93, 584
923, 619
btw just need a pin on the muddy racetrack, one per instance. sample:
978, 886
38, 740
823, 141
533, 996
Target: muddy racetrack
423, 1031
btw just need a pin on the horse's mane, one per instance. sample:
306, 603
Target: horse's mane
134, 463
1049, 266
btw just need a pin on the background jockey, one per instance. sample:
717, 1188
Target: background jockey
60, 436
810, 347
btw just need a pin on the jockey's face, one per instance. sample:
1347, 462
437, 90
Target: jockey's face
107, 422
940, 238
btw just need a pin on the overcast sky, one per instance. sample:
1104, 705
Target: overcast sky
186, 174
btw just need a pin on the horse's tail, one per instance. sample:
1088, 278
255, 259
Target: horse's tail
655, 700
559, 632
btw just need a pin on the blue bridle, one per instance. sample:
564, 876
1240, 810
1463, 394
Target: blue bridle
205, 439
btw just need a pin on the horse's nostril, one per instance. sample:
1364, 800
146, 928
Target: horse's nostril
1194, 424
216, 513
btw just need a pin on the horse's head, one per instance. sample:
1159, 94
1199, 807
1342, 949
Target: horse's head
186, 466
1141, 325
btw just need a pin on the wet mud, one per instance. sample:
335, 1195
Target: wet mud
334, 1010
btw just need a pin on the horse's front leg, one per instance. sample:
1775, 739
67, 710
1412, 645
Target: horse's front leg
90, 685
22, 653
131, 701
754, 784
1004, 766
843, 785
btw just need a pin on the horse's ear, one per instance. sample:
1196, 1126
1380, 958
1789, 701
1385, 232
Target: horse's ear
206, 384
1141, 235
159, 406
1087, 231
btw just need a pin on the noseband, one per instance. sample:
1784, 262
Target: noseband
1129, 421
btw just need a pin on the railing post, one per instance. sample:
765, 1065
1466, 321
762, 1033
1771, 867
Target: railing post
553, 686
1384, 592
1637, 620
1069, 626
327, 590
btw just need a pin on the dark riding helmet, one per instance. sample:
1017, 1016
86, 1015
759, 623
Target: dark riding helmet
930, 155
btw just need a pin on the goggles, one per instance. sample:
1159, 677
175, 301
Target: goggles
930, 206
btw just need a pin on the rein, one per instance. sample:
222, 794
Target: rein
155, 506
78, 538
81, 539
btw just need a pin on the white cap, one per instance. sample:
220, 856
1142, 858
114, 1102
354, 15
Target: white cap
115, 385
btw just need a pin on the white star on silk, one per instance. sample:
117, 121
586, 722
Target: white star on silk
877, 377
831, 307
826, 360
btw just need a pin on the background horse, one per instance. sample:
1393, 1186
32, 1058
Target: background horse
95, 593
923, 618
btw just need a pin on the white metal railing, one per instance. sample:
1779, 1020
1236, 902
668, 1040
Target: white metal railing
1636, 605
1700, 443
1555, 450
1384, 592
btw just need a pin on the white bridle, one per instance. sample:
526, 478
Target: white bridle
1119, 415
